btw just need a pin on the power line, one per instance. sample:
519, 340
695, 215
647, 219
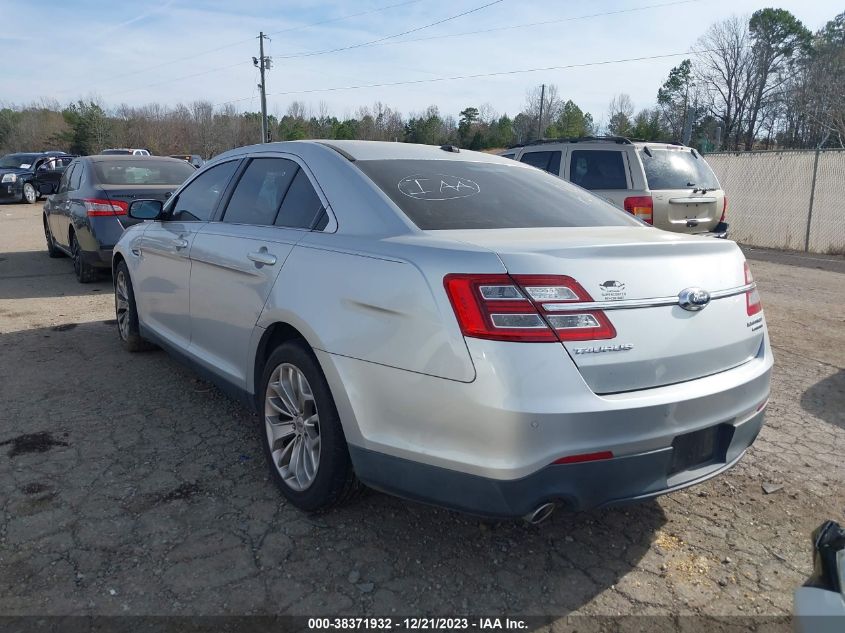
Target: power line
476, 76
542, 23
250, 39
389, 37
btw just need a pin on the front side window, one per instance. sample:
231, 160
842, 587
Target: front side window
598, 169
547, 161
677, 169
453, 194
260, 191
198, 200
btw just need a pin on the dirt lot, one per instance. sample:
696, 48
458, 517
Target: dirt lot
128, 486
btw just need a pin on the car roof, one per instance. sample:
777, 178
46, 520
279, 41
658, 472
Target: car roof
372, 150
615, 141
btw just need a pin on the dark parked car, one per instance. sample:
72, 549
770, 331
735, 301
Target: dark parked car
27, 176
195, 159
87, 215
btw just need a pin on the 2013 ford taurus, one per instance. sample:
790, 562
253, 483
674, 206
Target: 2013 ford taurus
449, 326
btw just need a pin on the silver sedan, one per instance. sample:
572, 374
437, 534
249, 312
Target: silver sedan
449, 326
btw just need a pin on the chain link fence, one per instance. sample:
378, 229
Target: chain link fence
785, 199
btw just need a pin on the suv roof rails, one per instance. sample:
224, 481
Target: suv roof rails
622, 140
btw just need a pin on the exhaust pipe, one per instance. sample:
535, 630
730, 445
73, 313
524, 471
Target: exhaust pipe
540, 514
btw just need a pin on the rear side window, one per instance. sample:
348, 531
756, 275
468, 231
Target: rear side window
677, 169
199, 199
597, 169
547, 161
450, 194
76, 178
301, 206
260, 191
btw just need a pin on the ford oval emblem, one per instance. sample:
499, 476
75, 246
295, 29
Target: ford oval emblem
693, 299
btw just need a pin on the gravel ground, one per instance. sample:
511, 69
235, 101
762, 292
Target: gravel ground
129, 486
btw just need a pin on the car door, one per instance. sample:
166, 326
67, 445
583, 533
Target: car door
235, 261
48, 174
163, 276
55, 206
602, 170
64, 218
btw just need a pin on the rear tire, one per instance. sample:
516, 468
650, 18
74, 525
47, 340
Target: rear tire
85, 272
52, 249
126, 312
301, 432
29, 193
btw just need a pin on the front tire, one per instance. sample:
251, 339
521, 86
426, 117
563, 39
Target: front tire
85, 272
301, 431
29, 195
126, 312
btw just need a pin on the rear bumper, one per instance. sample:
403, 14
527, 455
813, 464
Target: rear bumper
100, 258
575, 486
720, 231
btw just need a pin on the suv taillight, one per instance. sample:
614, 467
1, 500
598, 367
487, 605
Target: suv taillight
752, 297
724, 209
641, 207
522, 308
95, 207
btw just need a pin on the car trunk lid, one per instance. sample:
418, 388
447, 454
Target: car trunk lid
657, 342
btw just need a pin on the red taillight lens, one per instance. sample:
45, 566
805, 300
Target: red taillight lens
752, 297
95, 207
724, 209
641, 207
524, 308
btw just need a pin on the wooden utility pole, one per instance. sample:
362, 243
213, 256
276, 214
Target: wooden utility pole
263, 63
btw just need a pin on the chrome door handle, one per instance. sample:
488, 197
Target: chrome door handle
179, 243
262, 257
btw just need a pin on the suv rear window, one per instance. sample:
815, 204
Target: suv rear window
677, 169
450, 194
597, 169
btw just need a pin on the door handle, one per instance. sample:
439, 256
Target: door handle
179, 243
262, 257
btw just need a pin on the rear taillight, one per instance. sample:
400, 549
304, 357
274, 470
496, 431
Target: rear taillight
752, 297
641, 207
524, 308
724, 209
95, 207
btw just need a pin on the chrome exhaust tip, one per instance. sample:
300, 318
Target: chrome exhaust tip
540, 514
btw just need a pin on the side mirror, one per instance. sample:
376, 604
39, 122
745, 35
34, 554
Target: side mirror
145, 209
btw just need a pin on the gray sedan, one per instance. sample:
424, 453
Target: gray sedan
449, 326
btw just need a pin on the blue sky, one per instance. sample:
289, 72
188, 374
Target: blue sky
162, 50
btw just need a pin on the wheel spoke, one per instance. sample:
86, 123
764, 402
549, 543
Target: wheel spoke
279, 431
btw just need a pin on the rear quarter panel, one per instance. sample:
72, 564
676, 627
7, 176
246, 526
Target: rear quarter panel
374, 306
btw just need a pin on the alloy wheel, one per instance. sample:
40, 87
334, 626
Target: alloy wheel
121, 293
293, 426
29, 193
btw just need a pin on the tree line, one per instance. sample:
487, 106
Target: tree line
761, 82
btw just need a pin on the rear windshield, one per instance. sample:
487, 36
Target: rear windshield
450, 194
142, 172
677, 169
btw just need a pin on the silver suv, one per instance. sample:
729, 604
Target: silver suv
668, 185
